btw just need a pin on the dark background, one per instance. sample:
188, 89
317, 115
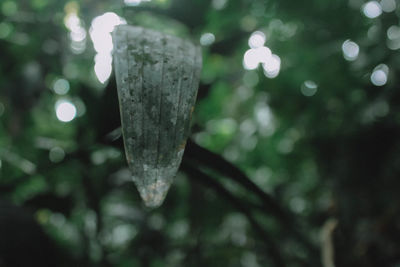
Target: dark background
301, 169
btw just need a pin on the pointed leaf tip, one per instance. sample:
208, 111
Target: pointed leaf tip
153, 194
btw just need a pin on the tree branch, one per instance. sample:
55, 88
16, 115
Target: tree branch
219, 164
202, 177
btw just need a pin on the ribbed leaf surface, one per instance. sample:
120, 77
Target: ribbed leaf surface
157, 79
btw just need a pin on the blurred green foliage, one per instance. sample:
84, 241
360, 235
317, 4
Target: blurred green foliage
319, 140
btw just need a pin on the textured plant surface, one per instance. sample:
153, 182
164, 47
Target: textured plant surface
157, 79
293, 157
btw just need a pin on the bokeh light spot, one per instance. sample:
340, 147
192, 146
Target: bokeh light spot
80, 107
207, 39
272, 66
309, 88
134, 2
56, 154
388, 5
263, 115
9, 8
103, 71
218, 4
350, 50
100, 33
5, 30
378, 77
257, 39
78, 35
77, 32
250, 79
61, 86
393, 37
380, 74
393, 32
372, 9
65, 110
250, 59
254, 56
